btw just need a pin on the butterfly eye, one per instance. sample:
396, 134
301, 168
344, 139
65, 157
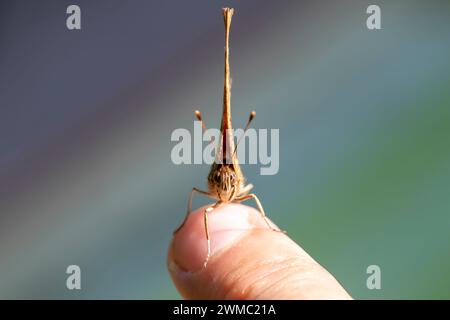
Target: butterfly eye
217, 177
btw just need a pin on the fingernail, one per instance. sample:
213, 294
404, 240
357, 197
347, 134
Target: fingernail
226, 225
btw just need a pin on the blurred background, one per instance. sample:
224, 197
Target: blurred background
86, 118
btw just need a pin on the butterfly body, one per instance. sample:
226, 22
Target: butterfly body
226, 182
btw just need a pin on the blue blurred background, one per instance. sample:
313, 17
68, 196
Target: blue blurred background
86, 118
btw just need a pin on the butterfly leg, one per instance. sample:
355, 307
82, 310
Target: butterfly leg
208, 242
260, 208
189, 208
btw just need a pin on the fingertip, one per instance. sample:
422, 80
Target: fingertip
226, 224
248, 260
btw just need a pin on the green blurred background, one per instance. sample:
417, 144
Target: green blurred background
86, 118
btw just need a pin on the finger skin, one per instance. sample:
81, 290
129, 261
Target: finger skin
248, 261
